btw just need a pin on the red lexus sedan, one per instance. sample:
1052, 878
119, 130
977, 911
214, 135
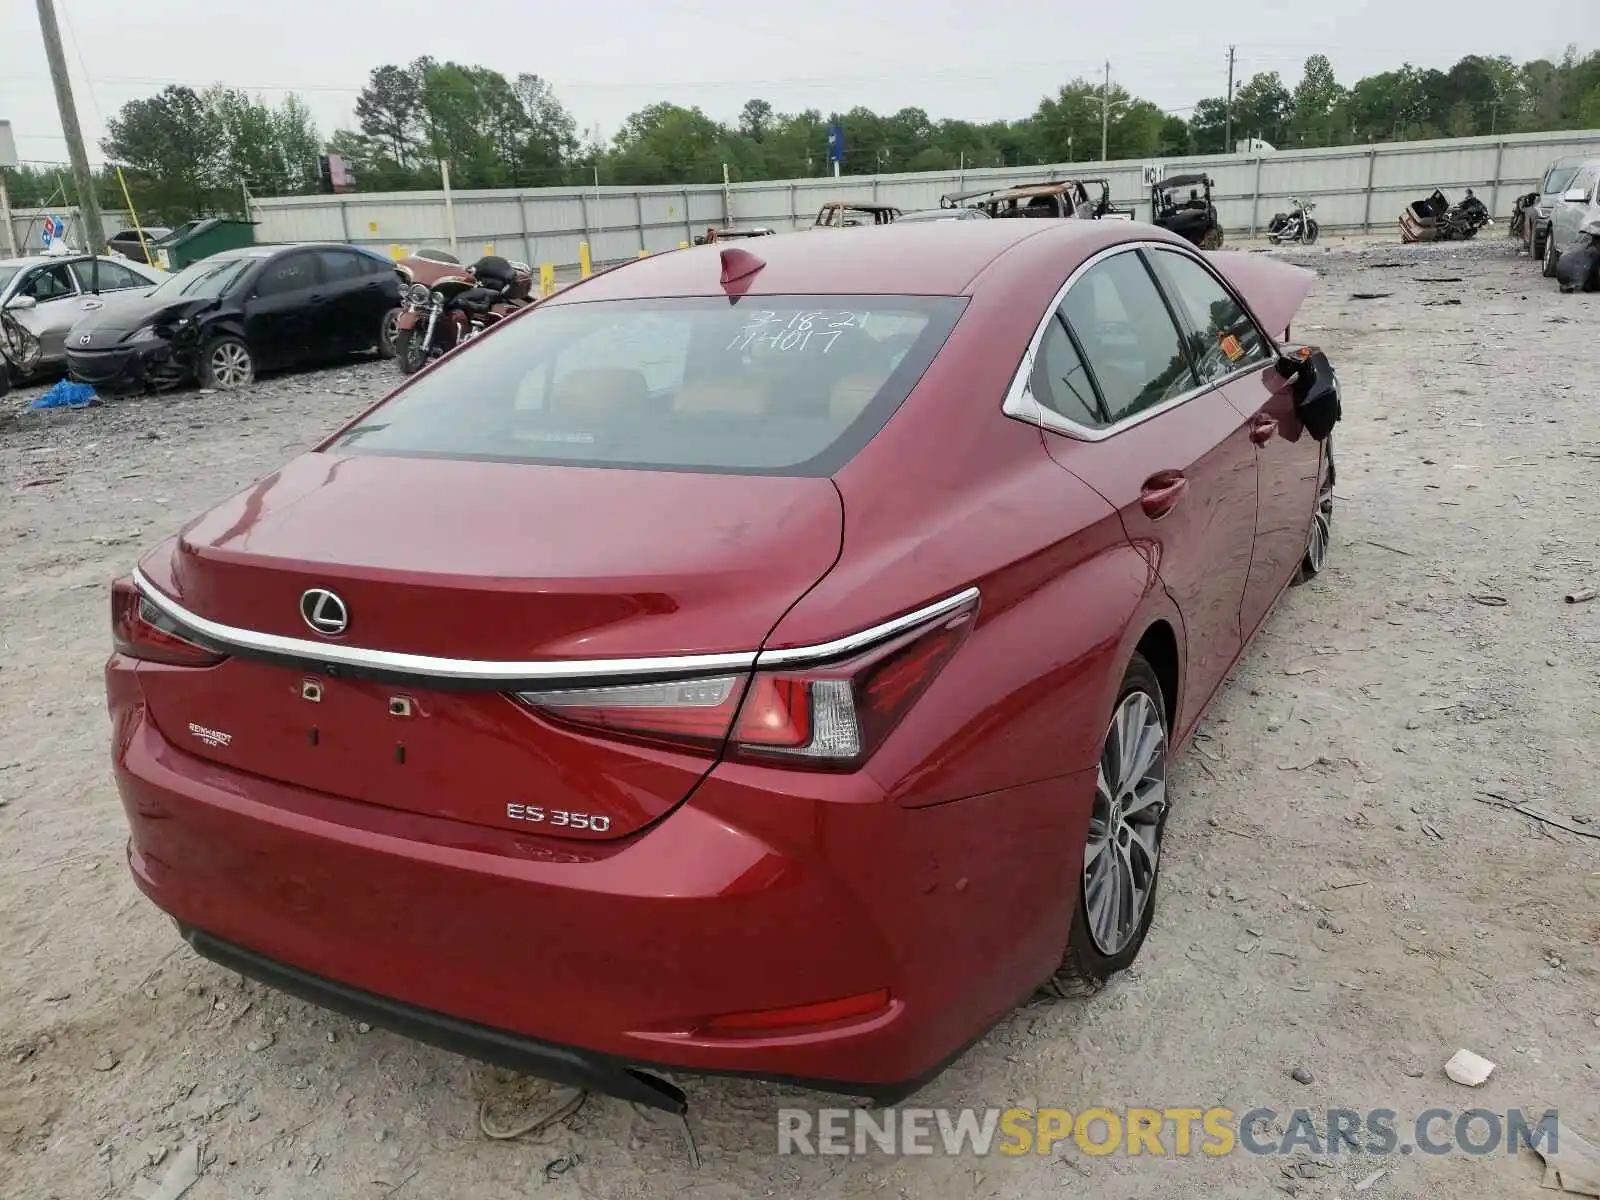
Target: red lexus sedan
759, 661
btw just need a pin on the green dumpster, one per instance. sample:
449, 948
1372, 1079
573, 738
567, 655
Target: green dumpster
194, 240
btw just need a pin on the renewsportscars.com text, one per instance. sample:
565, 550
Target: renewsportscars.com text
1161, 1131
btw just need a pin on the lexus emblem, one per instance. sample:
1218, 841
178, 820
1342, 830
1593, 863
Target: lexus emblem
324, 612
85, 339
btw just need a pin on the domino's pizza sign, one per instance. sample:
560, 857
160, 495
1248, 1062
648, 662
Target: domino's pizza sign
53, 231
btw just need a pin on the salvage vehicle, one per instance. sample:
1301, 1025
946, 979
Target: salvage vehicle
546, 713
1435, 219
136, 244
946, 214
732, 234
1193, 218
45, 297
1573, 217
458, 305
1297, 225
846, 214
1056, 199
224, 318
1557, 179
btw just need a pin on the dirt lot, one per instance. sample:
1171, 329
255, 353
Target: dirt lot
1338, 895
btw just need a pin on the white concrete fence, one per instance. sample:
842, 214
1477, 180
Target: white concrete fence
1355, 188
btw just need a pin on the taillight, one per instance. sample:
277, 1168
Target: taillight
141, 630
828, 717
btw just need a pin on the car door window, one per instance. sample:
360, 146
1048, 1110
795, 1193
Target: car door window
1061, 381
113, 277
49, 283
1223, 339
291, 273
341, 266
1128, 336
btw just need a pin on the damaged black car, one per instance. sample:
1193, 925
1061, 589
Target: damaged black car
226, 317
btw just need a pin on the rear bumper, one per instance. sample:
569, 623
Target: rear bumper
589, 962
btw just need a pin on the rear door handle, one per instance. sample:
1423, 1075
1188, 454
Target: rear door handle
1161, 493
1262, 429
93, 304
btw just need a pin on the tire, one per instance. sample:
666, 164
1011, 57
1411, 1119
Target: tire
226, 364
1536, 246
1312, 230
1319, 541
387, 333
1212, 239
410, 355
1102, 942
1550, 255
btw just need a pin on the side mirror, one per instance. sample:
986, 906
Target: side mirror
22, 303
1316, 391
1576, 196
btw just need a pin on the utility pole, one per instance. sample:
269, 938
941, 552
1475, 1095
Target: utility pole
1227, 136
1104, 109
94, 234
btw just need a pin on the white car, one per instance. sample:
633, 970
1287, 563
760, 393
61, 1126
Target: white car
46, 297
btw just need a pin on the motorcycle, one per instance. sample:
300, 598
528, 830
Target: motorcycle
446, 304
1296, 225
1462, 221
1435, 219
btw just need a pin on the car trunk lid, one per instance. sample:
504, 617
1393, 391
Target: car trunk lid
462, 568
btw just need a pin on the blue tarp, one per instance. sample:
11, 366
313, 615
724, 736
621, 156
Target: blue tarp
66, 394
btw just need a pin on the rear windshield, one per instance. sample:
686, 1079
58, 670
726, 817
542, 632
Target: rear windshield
787, 385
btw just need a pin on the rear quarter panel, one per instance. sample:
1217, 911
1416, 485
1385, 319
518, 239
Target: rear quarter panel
954, 493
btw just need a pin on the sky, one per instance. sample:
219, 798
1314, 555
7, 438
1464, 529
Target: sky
953, 58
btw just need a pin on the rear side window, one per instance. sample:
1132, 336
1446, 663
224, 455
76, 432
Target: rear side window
765, 385
290, 273
1060, 380
1128, 336
1225, 340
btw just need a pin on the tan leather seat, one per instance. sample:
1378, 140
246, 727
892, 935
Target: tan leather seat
600, 390
741, 396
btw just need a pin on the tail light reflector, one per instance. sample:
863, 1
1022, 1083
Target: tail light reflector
801, 1015
829, 717
141, 630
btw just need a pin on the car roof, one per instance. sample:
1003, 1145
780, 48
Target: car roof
917, 258
1181, 180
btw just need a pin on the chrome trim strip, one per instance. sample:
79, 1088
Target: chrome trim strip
854, 642
428, 666
483, 671
1019, 401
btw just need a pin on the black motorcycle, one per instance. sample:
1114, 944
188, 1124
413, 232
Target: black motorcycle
1463, 220
1297, 225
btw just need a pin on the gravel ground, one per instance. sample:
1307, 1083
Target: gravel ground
1341, 896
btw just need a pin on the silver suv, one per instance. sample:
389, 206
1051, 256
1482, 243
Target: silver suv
1551, 188
1575, 217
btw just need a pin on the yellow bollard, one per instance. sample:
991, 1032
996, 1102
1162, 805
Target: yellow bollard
683, 245
585, 268
397, 252
644, 254
547, 279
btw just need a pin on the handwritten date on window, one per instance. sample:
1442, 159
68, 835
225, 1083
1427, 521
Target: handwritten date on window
813, 331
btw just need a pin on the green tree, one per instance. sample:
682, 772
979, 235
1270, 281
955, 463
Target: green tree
1261, 108
175, 148
1315, 102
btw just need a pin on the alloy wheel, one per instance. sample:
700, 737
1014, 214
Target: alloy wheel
391, 323
230, 365
1321, 531
1124, 843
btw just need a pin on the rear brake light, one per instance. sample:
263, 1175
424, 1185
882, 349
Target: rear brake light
141, 630
828, 717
